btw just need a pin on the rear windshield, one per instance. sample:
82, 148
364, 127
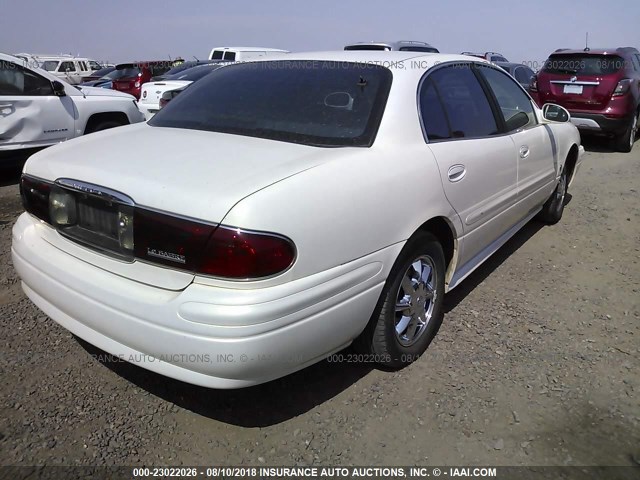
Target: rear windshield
367, 47
125, 71
578, 64
309, 102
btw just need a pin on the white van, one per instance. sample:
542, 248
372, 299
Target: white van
241, 54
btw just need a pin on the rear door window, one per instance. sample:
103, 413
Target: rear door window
67, 67
217, 55
467, 107
230, 56
434, 118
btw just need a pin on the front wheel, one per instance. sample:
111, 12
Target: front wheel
553, 208
410, 309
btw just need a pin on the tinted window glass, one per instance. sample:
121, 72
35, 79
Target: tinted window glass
231, 56
323, 103
125, 71
465, 102
49, 65
94, 65
196, 73
15, 80
102, 72
217, 55
511, 99
433, 117
524, 75
367, 47
498, 58
578, 64
64, 66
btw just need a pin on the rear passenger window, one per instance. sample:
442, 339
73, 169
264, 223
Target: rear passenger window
465, 102
67, 66
434, 118
231, 56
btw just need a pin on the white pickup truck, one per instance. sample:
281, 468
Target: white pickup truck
38, 109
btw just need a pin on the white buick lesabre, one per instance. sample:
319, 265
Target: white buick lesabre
278, 211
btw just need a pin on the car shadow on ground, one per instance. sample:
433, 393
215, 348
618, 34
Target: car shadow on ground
597, 144
260, 406
453, 298
10, 175
285, 398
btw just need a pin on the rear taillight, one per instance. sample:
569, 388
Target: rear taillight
533, 86
168, 240
241, 254
622, 88
162, 238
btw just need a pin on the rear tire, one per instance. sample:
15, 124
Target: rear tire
410, 309
553, 208
624, 143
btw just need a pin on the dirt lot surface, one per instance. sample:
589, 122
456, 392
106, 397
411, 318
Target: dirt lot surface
537, 363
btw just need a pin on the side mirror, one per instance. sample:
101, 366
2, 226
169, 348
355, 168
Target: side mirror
555, 113
58, 88
519, 120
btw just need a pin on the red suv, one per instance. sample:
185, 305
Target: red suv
599, 87
131, 76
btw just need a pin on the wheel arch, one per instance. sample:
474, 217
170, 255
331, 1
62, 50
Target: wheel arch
442, 228
98, 118
570, 163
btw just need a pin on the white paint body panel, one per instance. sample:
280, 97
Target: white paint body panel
151, 93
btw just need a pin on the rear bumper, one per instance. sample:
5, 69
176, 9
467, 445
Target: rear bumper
148, 109
598, 123
204, 335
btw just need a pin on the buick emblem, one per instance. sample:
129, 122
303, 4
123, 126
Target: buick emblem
574, 79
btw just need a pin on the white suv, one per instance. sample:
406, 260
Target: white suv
70, 69
37, 109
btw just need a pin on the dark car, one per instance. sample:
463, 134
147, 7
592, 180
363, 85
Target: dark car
523, 74
181, 68
599, 86
133, 75
491, 56
98, 74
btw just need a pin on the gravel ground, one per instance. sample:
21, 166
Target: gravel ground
537, 363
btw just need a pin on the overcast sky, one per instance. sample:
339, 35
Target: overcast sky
119, 30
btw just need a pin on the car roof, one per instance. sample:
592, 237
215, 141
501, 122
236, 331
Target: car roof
594, 51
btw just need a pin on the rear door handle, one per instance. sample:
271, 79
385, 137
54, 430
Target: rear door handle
456, 173
524, 151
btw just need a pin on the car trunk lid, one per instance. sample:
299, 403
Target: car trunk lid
177, 171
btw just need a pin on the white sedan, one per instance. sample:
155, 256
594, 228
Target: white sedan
151, 92
282, 209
